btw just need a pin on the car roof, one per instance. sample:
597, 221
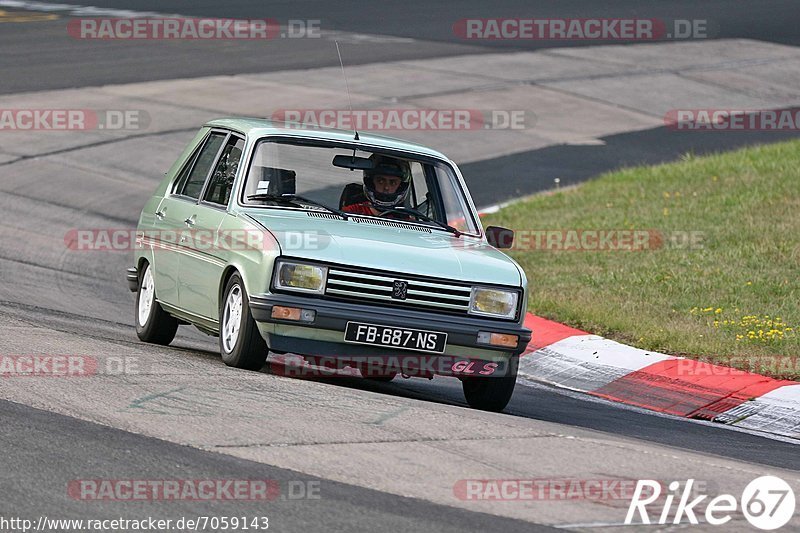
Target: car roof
258, 127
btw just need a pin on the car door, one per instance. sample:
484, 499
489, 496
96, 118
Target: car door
162, 236
173, 217
203, 259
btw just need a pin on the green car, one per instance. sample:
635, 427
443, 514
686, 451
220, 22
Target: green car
348, 249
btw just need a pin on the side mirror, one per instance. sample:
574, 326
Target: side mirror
500, 237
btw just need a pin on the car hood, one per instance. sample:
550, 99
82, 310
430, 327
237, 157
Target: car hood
395, 249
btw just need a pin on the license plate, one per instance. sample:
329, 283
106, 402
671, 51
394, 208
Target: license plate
404, 338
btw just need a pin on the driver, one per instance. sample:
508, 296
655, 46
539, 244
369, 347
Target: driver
386, 185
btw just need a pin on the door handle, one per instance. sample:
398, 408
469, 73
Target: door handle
190, 221
161, 214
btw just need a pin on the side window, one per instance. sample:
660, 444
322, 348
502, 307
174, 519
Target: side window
221, 183
192, 184
455, 206
422, 197
420, 186
184, 174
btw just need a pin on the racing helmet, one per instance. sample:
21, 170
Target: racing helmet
387, 166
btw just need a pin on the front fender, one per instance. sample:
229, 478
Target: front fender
253, 254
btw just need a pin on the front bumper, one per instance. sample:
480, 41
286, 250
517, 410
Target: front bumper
325, 336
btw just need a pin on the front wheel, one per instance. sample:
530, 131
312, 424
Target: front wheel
153, 324
240, 343
491, 394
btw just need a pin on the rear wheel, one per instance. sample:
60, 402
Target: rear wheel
490, 393
153, 324
240, 343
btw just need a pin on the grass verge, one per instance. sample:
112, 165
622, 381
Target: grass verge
707, 266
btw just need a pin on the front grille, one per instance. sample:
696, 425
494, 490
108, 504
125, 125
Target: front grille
377, 287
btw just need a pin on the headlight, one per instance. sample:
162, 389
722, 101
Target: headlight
300, 277
493, 302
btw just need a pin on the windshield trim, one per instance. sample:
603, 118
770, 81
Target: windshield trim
355, 145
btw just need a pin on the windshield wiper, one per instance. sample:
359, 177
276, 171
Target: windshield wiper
423, 216
295, 199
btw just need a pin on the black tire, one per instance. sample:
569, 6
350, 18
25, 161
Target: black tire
159, 327
250, 351
491, 393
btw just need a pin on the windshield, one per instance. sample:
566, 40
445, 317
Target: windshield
420, 190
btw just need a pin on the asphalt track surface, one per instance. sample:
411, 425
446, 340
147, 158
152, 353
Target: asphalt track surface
83, 296
122, 455
43, 56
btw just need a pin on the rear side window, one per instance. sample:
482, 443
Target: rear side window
221, 183
193, 177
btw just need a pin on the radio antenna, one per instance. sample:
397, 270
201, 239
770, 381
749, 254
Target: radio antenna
347, 87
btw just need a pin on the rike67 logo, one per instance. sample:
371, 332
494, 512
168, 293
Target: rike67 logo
767, 502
